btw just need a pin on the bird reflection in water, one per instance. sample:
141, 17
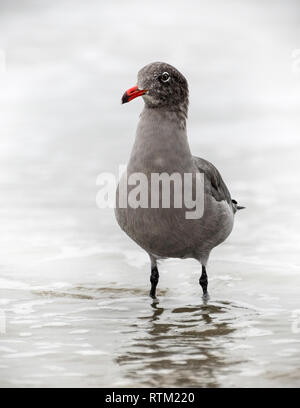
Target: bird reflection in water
184, 347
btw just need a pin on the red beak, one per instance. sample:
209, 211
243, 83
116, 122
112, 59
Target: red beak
132, 93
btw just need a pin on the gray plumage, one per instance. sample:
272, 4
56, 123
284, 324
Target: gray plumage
161, 145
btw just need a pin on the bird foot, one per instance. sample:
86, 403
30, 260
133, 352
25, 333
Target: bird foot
205, 297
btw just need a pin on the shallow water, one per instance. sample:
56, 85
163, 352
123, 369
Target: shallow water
74, 305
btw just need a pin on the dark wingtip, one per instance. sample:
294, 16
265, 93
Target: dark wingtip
238, 207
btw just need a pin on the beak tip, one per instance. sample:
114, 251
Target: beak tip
132, 93
124, 98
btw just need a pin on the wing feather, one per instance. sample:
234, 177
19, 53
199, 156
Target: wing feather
218, 188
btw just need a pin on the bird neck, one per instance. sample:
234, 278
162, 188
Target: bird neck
161, 142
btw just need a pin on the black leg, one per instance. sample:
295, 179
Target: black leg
154, 280
203, 281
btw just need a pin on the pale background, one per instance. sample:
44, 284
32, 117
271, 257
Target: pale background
73, 287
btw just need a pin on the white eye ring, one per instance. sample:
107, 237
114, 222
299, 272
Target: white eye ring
165, 77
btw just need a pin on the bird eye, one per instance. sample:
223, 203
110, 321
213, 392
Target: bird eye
165, 77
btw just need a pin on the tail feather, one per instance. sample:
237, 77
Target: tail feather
237, 207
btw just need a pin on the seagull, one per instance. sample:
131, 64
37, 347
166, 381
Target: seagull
161, 146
